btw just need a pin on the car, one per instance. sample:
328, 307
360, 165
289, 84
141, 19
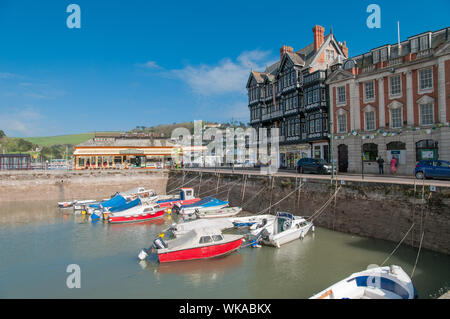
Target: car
432, 169
313, 165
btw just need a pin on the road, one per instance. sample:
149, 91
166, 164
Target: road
408, 180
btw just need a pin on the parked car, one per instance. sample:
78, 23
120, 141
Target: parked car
313, 165
432, 169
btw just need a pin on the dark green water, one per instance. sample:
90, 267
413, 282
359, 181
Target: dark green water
39, 241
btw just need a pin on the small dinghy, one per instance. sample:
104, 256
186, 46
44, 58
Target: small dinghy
196, 244
285, 228
219, 213
389, 282
65, 204
254, 223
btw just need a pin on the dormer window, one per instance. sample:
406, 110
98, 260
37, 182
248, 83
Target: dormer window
375, 56
424, 43
383, 54
414, 45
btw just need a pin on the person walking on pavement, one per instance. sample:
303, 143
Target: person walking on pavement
380, 161
394, 162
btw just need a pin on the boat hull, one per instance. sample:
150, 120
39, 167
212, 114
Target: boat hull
135, 218
200, 252
286, 236
170, 203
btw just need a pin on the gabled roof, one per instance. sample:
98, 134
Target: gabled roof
339, 75
258, 76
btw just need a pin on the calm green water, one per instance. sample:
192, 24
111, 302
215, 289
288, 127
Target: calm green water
39, 241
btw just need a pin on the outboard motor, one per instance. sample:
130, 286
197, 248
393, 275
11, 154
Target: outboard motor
159, 243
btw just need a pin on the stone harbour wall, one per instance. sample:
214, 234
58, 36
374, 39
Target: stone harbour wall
375, 210
60, 185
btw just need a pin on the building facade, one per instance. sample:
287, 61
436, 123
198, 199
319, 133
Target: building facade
291, 95
393, 101
125, 151
15, 161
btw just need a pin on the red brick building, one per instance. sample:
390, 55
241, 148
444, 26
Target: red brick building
393, 101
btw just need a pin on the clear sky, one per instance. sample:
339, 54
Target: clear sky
156, 62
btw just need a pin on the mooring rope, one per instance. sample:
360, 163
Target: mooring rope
279, 200
253, 197
401, 241
417, 258
421, 227
183, 184
322, 208
215, 189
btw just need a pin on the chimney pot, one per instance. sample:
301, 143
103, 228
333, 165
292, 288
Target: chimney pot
318, 32
285, 49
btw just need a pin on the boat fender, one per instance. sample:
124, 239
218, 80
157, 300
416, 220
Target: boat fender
169, 211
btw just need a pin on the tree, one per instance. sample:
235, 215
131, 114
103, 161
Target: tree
2, 134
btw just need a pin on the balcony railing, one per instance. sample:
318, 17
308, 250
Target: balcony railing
424, 53
368, 68
395, 61
276, 114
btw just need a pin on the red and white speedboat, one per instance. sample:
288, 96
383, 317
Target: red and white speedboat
139, 213
186, 197
198, 243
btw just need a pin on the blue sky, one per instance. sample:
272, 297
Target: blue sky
155, 62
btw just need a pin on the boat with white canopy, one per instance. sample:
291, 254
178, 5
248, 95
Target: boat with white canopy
285, 228
198, 243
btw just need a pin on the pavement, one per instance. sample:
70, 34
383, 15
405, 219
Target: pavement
372, 178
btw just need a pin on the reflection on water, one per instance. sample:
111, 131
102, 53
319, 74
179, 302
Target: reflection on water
38, 241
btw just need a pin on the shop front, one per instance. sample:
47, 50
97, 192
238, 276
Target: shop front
290, 154
123, 158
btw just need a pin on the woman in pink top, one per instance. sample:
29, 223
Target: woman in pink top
393, 165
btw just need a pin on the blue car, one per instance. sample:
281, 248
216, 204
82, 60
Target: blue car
432, 169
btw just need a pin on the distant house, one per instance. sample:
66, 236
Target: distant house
15, 161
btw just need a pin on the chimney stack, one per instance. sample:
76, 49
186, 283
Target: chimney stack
344, 49
318, 32
285, 49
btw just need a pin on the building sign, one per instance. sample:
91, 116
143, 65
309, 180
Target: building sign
427, 154
131, 151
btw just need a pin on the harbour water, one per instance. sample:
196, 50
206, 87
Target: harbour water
38, 241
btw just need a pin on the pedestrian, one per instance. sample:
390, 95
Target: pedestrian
394, 162
380, 161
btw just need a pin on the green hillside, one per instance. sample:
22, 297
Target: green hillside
72, 139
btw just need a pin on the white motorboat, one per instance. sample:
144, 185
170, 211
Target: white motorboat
389, 282
179, 229
285, 228
219, 213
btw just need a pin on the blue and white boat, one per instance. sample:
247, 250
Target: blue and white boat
116, 209
207, 203
389, 282
98, 208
